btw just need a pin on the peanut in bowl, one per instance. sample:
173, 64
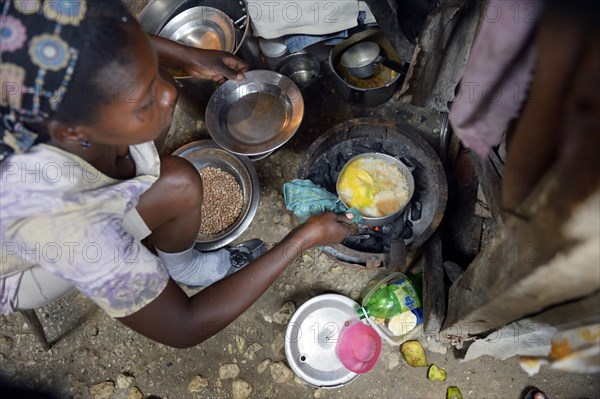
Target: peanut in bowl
223, 171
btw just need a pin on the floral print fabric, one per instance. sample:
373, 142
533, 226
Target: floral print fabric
39, 47
62, 214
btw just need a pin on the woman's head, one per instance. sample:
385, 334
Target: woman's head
106, 70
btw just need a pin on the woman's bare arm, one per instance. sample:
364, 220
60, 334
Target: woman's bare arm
177, 320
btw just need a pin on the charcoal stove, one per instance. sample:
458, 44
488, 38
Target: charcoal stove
371, 247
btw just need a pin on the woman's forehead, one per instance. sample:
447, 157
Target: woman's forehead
128, 81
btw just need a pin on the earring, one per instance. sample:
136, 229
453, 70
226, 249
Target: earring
85, 144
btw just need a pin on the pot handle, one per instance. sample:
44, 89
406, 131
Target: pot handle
241, 23
396, 66
407, 163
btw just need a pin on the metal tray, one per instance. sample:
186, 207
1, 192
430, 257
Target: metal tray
311, 338
256, 115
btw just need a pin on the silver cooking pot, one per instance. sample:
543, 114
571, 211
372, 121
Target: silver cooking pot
404, 170
363, 59
194, 93
349, 90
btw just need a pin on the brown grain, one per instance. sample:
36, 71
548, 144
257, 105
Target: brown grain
223, 200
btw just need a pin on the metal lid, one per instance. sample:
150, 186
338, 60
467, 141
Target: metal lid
311, 339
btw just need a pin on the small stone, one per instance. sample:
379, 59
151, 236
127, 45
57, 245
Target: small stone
286, 219
199, 124
124, 380
267, 318
278, 344
241, 389
104, 390
240, 343
135, 393
230, 349
263, 366
250, 353
197, 384
6, 342
393, 360
280, 372
284, 314
227, 371
318, 393
276, 219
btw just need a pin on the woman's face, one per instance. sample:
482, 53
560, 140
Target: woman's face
143, 103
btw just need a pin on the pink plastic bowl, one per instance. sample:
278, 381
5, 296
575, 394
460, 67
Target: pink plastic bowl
358, 348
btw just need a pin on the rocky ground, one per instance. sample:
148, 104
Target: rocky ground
96, 357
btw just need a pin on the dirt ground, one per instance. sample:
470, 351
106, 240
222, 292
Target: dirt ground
94, 356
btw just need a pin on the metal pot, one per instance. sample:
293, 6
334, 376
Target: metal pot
304, 70
194, 93
362, 60
404, 170
364, 92
203, 27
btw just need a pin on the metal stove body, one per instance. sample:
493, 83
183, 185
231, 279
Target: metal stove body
375, 247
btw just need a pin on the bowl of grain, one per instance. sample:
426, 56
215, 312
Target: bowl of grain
231, 192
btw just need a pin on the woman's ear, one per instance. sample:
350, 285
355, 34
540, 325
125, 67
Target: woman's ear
66, 134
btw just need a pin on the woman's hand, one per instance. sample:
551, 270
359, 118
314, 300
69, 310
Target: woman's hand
215, 65
204, 64
327, 228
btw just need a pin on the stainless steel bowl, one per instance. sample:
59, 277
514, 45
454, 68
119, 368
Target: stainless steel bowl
202, 27
361, 59
256, 115
204, 153
404, 170
304, 70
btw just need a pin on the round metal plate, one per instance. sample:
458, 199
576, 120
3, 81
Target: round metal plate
311, 338
256, 115
206, 153
202, 27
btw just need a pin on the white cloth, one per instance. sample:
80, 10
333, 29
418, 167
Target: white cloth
273, 19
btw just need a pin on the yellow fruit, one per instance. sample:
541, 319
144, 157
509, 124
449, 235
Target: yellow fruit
453, 393
413, 353
436, 374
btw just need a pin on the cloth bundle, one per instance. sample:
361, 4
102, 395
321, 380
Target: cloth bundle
304, 199
303, 23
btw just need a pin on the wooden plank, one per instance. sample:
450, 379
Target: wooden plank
547, 253
491, 184
434, 292
530, 267
580, 313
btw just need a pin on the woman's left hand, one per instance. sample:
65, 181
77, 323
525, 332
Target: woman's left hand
204, 64
215, 65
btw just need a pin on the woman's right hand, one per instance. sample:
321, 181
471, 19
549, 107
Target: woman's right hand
327, 228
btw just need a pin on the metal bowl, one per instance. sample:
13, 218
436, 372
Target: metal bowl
202, 27
204, 153
404, 170
360, 59
256, 115
304, 70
